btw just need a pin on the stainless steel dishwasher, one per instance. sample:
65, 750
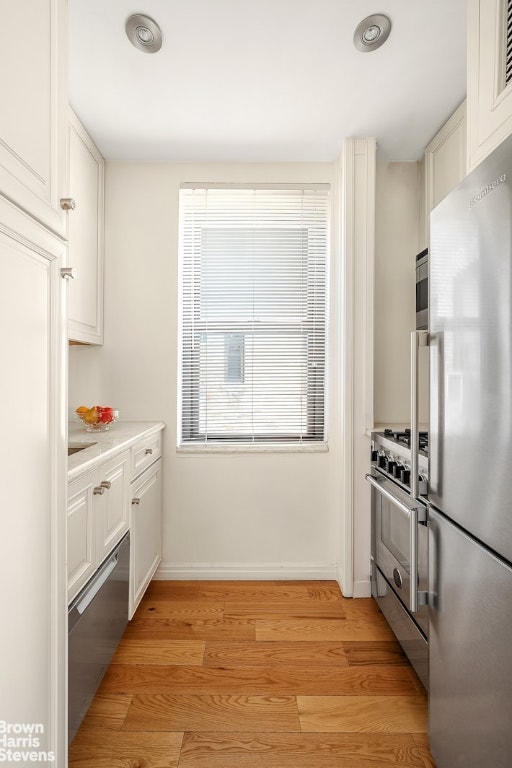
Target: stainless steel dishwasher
97, 618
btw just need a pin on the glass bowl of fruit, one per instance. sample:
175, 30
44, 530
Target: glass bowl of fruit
96, 419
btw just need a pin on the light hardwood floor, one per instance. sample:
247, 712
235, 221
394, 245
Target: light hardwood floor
255, 675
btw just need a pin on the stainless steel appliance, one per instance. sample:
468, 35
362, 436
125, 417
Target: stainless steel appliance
422, 290
399, 564
470, 466
97, 618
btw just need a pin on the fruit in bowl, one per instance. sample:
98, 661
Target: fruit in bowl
97, 418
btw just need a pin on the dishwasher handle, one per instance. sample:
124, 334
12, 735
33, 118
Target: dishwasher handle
97, 584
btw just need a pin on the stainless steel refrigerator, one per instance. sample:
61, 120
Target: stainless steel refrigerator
470, 465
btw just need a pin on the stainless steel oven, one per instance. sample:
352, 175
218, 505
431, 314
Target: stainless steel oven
400, 566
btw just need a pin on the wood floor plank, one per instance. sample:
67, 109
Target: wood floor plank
299, 609
161, 606
360, 606
323, 629
395, 714
374, 652
192, 629
220, 713
301, 750
229, 590
324, 590
421, 740
165, 652
99, 748
272, 681
107, 711
232, 654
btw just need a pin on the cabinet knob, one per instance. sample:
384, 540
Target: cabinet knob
106, 484
67, 204
98, 491
149, 451
68, 273
135, 501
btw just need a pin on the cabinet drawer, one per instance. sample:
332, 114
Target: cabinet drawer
146, 453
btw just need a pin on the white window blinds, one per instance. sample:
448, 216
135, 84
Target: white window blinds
253, 267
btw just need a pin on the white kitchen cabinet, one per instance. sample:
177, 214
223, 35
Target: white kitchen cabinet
445, 160
33, 62
86, 235
98, 511
145, 531
32, 524
113, 487
489, 87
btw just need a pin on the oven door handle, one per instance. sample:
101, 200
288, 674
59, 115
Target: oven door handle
413, 513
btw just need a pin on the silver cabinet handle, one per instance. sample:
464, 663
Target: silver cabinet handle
98, 491
106, 484
149, 451
414, 513
68, 272
418, 339
67, 204
135, 501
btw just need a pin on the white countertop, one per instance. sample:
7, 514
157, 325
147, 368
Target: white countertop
120, 435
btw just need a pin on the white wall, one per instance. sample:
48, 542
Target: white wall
238, 515
396, 245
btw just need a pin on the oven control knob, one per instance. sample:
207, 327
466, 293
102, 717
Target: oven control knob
375, 456
382, 460
397, 471
391, 466
405, 477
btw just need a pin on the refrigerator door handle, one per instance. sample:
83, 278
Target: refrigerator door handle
413, 513
418, 339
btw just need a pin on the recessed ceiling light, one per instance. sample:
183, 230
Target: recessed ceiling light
144, 33
372, 32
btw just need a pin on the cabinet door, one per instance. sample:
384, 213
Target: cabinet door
445, 161
85, 233
489, 88
113, 504
32, 457
80, 534
146, 531
33, 115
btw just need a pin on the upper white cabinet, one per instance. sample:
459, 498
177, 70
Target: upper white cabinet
445, 160
85, 233
489, 86
34, 101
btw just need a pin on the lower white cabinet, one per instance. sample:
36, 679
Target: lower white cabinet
97, 518
145, 531
121, 490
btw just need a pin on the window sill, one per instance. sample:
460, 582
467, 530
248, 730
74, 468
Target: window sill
204, 450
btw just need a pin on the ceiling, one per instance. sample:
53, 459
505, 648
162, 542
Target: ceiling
272, 81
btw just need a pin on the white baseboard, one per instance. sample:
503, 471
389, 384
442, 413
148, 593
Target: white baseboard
362, 588
247, 571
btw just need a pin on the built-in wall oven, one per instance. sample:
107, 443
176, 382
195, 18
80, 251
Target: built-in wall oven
399, 560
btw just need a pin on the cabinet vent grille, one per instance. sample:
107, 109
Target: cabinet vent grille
508, 47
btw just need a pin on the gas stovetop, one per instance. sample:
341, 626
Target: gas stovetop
391, 455
405, 438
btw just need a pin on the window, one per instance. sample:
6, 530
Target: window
253, 314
